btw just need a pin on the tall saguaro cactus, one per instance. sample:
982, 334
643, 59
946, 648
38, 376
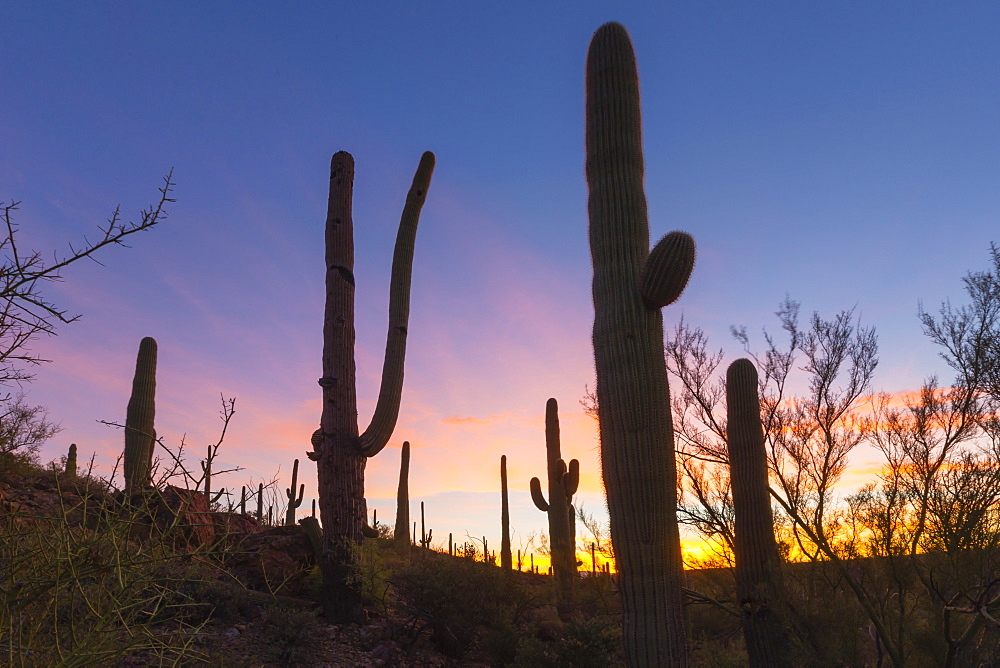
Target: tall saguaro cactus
140, 436
759, 586
630, 286
506, 560
401, 533
563, 482
339, 451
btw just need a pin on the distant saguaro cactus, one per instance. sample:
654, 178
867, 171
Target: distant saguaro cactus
630, 286
140, 436
206, 469
506, 560
759, 584
71, 461
563, 482
339, 451
294, 503
401, 533
260, 503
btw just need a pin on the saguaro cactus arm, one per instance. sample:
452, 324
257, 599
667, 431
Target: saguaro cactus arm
537, 496
383, 421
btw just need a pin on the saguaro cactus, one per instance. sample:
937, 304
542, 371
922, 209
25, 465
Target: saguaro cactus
71, 461
294, 503
759, 585
401, 533
206, 469
140, 436
339, 451
506, 561
630, 286
563, 482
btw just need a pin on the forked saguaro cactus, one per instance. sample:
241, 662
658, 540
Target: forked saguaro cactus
759, 585
563, 481
401, 533
293, 502
630, 286
140, 436
339, 451
506, 560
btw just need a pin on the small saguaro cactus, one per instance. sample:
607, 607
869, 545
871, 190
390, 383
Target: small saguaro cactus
260, 503
400, 535
71, 461
339, 450
293, 503
243, 500
759, 585
506, 562
563, 482
140, 436
425, 537
206, 469
630, 286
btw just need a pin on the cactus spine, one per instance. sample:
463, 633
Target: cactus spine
403, 498
563, 482
339, 451
630, 286
294, 503
506, 561
140, 436
759, 585
71, 461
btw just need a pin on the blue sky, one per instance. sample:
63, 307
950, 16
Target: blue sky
843, 153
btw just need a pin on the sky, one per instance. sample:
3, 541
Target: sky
841, 153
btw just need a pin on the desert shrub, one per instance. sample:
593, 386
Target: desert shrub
72, 595
453, 597
587, 643
373, 565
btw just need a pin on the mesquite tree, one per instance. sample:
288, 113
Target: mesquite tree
339, 451
630, 286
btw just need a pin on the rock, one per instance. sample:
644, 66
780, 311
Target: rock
274, 560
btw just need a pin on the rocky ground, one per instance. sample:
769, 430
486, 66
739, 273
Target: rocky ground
265, 629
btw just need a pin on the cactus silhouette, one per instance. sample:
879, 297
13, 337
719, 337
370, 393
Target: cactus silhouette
294, 503
260, 503
759, 586
563, 482
339, 451
140, 436
71, 461
506, 561
630, 286
206, 469
401, 533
